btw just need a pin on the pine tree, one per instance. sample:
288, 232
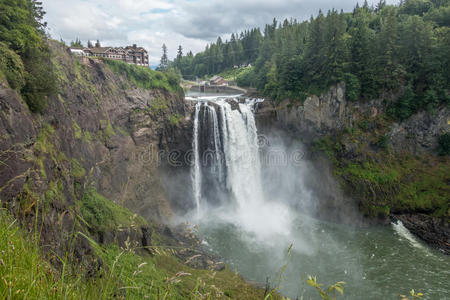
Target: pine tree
180, 52
164, 63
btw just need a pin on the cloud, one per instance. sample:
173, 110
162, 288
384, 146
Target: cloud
191, 23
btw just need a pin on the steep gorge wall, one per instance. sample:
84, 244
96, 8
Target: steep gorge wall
99, 131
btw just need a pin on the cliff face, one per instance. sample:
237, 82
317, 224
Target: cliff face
330, 112
388, 168
98, 132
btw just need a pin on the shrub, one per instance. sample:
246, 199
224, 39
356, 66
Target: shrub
353, 87
444, 144
246, 78
403, 107
102, 214
12, 67
144, 77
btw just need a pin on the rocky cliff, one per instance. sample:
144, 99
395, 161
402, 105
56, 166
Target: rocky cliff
388, 168
99, 135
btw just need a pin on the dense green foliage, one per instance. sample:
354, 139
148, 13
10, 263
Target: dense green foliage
376, 51
25, 60
146, 78
444, 144
240, 50
102, 214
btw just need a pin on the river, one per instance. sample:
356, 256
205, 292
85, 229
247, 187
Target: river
252, 229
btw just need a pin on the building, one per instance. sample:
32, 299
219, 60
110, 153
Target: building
130, 54
217, 80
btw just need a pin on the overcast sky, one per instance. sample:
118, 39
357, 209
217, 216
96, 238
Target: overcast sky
191, 23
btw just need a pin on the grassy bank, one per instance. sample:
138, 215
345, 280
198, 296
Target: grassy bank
145, 77
25, 272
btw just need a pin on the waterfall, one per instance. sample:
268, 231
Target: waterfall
227, 168
226, 153
196, 174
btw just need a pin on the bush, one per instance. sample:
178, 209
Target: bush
102, 214
246, 78
144, 77
403, 107
11, 67
353, 87
444, 144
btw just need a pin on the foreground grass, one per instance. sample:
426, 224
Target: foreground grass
25, 273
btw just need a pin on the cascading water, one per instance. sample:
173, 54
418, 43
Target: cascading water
196, 174
245, 215
227, 168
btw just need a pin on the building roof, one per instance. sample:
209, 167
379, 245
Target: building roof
99, 49
214, 78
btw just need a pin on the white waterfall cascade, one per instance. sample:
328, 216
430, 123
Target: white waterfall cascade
232, 134
196, 174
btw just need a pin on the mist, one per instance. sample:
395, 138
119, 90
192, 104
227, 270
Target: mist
253, 193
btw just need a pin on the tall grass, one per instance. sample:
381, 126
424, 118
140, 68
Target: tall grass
145, 77
25, 272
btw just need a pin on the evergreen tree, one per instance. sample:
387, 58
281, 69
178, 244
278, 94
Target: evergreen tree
164, 62
76, 44
180, 52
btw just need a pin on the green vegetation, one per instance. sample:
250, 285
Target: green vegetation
24, 53
158, 106
444, 144
375, 50
26, 273
11, 67
330, 292
77, 169
175, 119
385, 183
144, 77
104, 215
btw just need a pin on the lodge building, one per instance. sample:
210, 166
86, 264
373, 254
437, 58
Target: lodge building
130, 54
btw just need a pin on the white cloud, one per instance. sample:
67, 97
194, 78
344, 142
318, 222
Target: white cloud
191, 23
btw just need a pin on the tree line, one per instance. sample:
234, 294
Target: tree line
24, 53
399, 49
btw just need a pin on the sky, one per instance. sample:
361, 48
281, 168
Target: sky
190, 23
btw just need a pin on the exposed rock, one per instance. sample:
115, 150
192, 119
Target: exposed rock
434, 231
419, 133
98, 130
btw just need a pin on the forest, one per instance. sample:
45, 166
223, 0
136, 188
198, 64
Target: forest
401, 50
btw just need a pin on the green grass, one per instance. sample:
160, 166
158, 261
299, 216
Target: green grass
175, 119
77, 169
372, 172
25, 273
158, 106
102, 214
144, 77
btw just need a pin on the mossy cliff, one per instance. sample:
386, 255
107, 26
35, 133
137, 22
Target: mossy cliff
389, 169
85, 177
